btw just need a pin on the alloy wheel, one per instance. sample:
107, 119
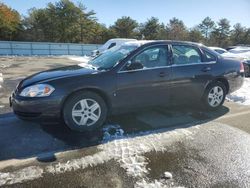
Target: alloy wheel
86, 112
215, 96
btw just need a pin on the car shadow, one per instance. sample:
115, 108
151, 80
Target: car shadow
44, 140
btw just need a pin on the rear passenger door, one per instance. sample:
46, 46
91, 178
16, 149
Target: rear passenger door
190, 73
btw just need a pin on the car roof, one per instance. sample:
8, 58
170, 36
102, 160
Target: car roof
121, 39
150, 42
146, 43
155, 42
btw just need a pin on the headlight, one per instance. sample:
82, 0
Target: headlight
38, 90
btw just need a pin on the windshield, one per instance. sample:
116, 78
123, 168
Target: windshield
111, 57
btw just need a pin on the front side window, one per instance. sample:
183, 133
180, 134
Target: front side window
152, 57
183, 54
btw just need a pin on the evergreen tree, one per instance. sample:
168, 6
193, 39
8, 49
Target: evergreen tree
206, 27
150, 29
125, 27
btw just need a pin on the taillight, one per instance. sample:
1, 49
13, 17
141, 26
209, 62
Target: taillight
241, 67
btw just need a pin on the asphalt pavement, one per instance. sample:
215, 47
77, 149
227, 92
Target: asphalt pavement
217, 155
194, 148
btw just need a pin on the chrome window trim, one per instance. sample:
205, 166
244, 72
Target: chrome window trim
144, 69
173, 65
201, 63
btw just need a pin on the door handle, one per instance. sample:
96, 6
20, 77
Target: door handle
162, 74
206, 69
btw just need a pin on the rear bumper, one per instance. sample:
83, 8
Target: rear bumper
236, 82
47, 108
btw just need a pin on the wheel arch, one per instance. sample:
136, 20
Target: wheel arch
222, 80
101, 93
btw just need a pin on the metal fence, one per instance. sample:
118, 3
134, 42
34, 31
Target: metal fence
45, 48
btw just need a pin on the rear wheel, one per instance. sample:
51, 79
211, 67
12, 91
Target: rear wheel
214, 96
84, 111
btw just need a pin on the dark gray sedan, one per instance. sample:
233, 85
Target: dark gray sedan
134, 75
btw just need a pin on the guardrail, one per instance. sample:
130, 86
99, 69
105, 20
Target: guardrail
45, 48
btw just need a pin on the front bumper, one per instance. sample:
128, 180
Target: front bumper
44, 108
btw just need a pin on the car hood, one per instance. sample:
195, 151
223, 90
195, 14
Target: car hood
68, 71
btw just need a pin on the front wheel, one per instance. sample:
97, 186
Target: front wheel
214, 96
84, 111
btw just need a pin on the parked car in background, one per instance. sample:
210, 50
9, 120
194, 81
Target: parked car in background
131, 76
240, 49
218, 49
230, 47
238, 46
242, 53
109, 44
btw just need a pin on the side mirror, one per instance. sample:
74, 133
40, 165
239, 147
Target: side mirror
95, 53
134, 66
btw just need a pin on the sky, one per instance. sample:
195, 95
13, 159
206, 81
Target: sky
192, 12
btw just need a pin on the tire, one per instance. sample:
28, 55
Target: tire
211, 97
84, 111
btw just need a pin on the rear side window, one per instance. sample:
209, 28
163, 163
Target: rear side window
209, 57
183, 54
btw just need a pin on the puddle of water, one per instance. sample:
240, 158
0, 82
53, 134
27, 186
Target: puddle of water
178, 161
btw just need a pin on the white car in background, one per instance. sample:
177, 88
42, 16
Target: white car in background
110, 44
218, 49
240, 49
242, 53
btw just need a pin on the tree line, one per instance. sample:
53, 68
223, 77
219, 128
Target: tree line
65, 21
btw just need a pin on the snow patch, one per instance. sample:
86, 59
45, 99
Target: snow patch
126, 150
129, 150
75, 164
3, 66
154, 184
242, 96
1, 80
19, 176
111, 132
168, 175
83, 59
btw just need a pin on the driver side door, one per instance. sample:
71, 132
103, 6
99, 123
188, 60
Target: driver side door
148, 85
